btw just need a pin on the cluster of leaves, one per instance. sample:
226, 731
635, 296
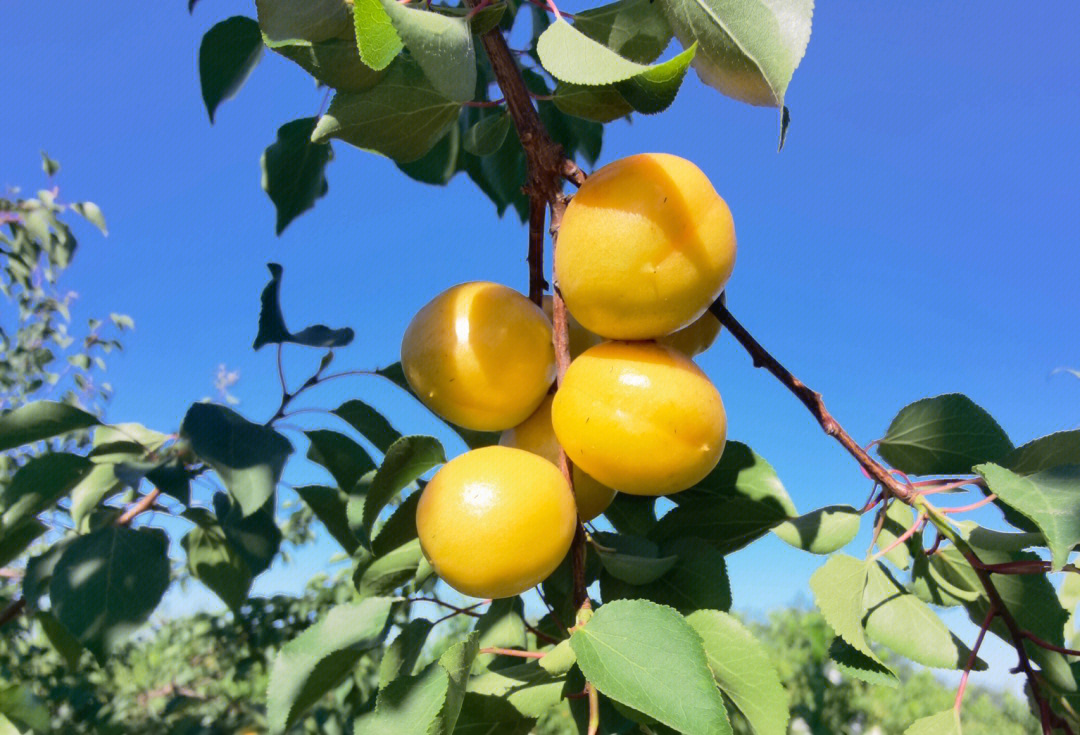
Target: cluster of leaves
409, 83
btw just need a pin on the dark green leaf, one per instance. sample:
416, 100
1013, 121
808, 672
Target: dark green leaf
632, 559
38, 484
255, 537
402, 117
634, 29
329, 506
91, 490
335, 63
442, 45
106, 584
945, 435
632, 514
822, 531
648, 657
294, 176
39, 571
14, 541
41, 420
527, 687
213, 561
313, 20
698, 581
473, 439
228, 54
405, 461
654, 89
400, 657
729, 524
601, 104
318, 659
346, 460
486, 715
438, 165
390, 571
272, 324
48, 165
741, 472
859, 666
1045, 452
172, 479
487, 136
60, 638
247, 457
501, 626
369, 422
399, 527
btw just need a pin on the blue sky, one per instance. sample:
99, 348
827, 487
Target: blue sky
919, 234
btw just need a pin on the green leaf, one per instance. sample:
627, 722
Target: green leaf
256, 537
898, 519
943, 723
859, 666
634, 29
632, 514
485, 715
400, 657
402, 117
742, 669
91, 490
429, 702
398, 528
1050, 498
312, 20
329, 506
601, 104
741, 473
729, 524
632, 559
369, 422
38, 484
60, 638
227, 56
172, 478
901, 621
248, 458
106, 584
294, 176
986, 538
39, 571
442, 45
487, 136
388, 572
698, 580
318, 659
571, 56
748, 49
560, 659
654, 90
213, 561
405, 461
501, 626
342, 457
14, 541
41, 420
648, 657
92, 213
1045, 452
530, 689
18, 703
377, 41
821, 531
838, 592
48, 165
335, 63
438, 165
272, 324
945, 435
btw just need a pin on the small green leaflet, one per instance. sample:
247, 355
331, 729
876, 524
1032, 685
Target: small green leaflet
838, 591
388, 572
318, 659
527, 687
342, 457
822, 531
749, 49
329, 506
743, 670
272, 329
399, 658
945, 435
860, 666
442, 45
634, 29
598, 103
213, 561
1045, 452
402, 117
632, 559
369, 422
649, 658
1050, 498
898, 519
405, 461
41, 420
697, 581
486, 136
502, 625
294, 173
654, 89
227, 56
376, 39
943, 723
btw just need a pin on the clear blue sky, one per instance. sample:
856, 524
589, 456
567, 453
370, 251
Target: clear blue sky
919, 234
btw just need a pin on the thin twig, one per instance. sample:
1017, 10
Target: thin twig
915, 527
973, 656
973, 506
513, 652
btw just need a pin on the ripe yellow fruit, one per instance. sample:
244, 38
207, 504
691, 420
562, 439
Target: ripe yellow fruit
536, 435
696, 338
640, 417
479, 355
645, 246
579, 338
496, 521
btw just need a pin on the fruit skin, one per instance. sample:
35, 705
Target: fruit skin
495, 521
644, 247
640, 417
479, 355
535, 435
695, 338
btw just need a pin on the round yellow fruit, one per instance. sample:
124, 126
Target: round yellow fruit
479, 355
578, 337
696, 338
536, 435
640, 417
496, 521
645, 246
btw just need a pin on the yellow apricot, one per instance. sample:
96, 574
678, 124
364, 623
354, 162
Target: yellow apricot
479, 355
496, 521
645, 246
640, 417
579, 338
696, 338
535, 435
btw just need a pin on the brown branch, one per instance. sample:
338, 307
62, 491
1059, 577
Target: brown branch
537, 218
903, 491
12, 611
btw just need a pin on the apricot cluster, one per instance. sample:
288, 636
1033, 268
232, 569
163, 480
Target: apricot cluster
645, 246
